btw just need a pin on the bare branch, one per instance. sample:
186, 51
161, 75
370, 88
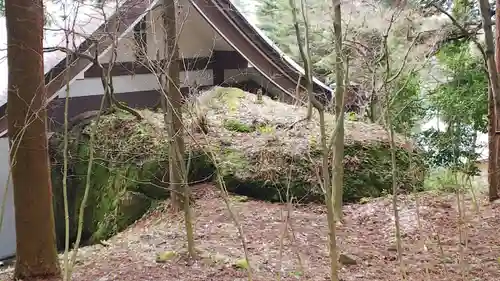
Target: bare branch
306, 57
405, 58
68, 52
466, 34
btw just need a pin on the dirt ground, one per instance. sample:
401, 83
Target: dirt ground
431, 251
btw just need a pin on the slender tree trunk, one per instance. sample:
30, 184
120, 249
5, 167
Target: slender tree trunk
494, 137
173, 105
492, 150
36, 254
497, 35
178, 173
327, 186
308, 63
330, 205
338, 164
305, 54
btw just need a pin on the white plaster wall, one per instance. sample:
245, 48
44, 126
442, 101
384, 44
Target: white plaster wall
125, 49
196, 38
7, 229
135, 83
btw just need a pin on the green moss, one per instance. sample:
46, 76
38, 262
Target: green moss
265, 129
115, 199
132, 205
241, 264
165, 256
230, 97
124, 183
232, 161
367, 173
237, 126
229, 94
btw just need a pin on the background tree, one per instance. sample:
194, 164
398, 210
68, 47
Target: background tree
305, 52
36, 254
463, 91
459, 85
363, 30
450, 82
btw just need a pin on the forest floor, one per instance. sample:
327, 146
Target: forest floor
431, 251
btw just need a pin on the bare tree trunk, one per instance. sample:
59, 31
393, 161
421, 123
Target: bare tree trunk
492, 149
178, 173
36, 254
494, 136
329, 193
308, 63
305, 55
497, 34
325, 181
173, 105
390, 128
338, 165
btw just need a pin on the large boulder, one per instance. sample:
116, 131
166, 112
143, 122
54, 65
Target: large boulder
266, 151
260, 148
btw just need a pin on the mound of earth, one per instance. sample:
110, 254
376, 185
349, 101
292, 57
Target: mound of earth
258, 147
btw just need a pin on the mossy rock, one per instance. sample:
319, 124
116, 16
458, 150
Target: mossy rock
272, 156
265, 153
129, 173
367, 173
114, 200
280, 156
